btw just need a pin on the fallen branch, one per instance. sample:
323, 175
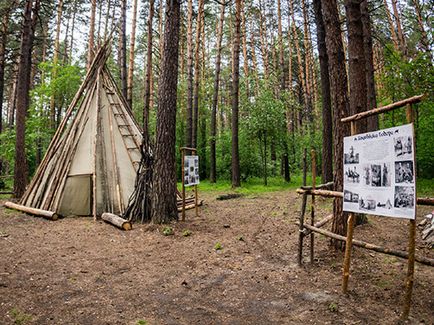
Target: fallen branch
318, 187
116, 221
33, 211
388, 251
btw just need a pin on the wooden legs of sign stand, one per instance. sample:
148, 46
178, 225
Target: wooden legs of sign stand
348, 246
312, 212
411, 238
183, 184
410, 270
301, 218
196, 197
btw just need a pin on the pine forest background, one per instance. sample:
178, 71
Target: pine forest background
280, 103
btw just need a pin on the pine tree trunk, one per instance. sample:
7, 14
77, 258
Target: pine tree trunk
235, 96
189, 131
123, 49
23, 87
356, 58
147, 97
391, 25
423, 36
131, 62
90, 53
338, 91
213, 168
196, 89
401, 39
164, 208
245, 56
372, 122
263, 39
327, 143
55, 61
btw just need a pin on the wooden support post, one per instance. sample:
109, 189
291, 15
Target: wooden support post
196, 198
183, 183
301, 218
312, 211
349, 242
411, 237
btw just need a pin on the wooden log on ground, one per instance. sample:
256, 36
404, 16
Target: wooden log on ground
190, 206
33, 211
425, 201
379, 110
117, 221
359, 243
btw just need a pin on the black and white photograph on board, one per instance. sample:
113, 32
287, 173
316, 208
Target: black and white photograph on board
351, 157
404, 197
351, 174
404, 172
386, 175
367, 204
351, 197
403, 146
376, 175
367, 174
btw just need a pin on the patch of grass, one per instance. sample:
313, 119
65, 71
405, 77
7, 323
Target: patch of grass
333, 307
167, 231
142, 322
218, 246
186, 233
425, 187
20, 317
240, 238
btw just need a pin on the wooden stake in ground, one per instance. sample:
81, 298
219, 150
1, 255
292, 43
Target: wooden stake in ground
301, 218
349, 242
411, 237
312, 211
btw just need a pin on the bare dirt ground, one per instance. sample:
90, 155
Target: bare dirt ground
77, 271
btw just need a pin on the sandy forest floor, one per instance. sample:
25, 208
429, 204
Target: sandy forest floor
77, 271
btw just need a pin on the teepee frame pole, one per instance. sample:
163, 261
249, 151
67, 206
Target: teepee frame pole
183, 183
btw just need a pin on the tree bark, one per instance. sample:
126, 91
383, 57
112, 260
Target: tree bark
164, 208
91, 46
123, 49
196, 89
372, 122
338, 91
327, 143
245, 57
423, 36
391, 25
23, 87
401, 39
235, 96
213, 169
147, 97
131, 61
55, 61
356, 66
189, 128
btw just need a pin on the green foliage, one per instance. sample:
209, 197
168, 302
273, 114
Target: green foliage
20, 317
333, 307
404, 78
142, 322
186, 233
218, 246
168, 231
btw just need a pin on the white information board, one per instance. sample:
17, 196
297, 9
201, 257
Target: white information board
191, 170
379, 175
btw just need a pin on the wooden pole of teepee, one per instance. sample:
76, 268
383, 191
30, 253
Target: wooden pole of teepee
37, 212
95, 147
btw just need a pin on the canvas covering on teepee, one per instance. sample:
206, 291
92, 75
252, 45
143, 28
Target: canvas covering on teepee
90, 165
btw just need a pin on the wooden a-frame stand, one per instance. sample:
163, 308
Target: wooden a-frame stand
196, 199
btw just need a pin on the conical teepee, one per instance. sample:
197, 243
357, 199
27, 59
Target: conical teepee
90, 165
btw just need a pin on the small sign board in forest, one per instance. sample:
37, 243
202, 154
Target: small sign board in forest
379, 173
191, 170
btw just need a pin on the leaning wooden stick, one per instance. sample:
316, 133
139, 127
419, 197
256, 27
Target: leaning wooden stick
312, 211
301, 218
